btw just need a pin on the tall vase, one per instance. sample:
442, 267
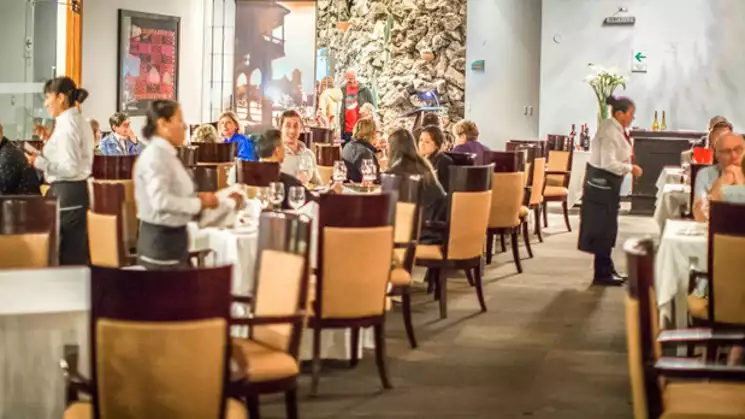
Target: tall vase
603, 111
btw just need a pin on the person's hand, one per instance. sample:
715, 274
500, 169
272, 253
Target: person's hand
636, 171
131, 135
733, 175
42, 132
209, 200
238, 198
31, 159
302, 178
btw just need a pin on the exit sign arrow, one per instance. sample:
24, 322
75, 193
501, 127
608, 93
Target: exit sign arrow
640, 56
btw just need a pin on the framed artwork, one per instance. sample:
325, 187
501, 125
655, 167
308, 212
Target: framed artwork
148, 60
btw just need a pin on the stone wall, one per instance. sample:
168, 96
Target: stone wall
401, 48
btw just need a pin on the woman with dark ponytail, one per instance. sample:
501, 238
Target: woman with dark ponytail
66, 162
611, 153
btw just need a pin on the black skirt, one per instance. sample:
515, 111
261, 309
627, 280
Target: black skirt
601, 199
162, 248
73, 228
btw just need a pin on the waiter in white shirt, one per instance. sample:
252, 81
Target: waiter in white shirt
66, 162
610, 160
164, 191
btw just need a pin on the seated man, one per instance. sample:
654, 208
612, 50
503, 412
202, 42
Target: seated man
270, 148
17, 176
122, 141
729, 152
709, 141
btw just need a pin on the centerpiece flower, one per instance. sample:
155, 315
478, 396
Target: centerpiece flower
604, 82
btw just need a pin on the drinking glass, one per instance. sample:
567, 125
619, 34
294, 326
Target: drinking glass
306, 168
276, 193
262, 194
368, 171
296, 198
340, 171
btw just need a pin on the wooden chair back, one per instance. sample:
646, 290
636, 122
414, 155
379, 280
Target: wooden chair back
281, 279
216, 153
407, 190
508, 194
506, 161
355, 249
726, 264
206, 178
560, 157
322, 135
306, 137
538, 177
254, 173
462, 159
29, 232
542, 146
113, 167
470, 204
559, 142
695, 168
188, 154
176, 323
106, 225
327, 154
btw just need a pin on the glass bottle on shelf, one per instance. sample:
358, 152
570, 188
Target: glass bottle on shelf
655, 124
663, 124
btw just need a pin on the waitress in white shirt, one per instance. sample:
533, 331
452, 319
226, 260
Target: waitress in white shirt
610, 160
164, 191
66, 162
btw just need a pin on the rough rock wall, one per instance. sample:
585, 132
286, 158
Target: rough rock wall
401, 48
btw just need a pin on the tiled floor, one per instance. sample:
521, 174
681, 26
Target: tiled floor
550, 346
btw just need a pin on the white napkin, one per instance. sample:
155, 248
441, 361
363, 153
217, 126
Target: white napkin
224, 215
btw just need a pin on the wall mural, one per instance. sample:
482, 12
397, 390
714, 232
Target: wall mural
148, 60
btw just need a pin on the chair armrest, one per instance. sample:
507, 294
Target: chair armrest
558, 172
243, 299
264, 320
74, 380
696, 369
693, 277
702, 335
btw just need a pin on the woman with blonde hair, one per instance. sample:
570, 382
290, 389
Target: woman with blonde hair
230, 131
329, 103
206, 134
467, 140
361, 148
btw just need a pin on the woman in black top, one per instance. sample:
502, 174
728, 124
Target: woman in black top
431, 140
17, 176
404, 159
359, 149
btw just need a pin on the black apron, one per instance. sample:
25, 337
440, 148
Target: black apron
601, 199
162, 248
73, 227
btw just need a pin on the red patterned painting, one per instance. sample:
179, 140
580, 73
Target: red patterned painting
148, 60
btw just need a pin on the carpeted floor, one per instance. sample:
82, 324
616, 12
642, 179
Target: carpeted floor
550, 346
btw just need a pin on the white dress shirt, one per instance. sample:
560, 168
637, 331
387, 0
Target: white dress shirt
164, 190
291, 164
68, 154
609, 149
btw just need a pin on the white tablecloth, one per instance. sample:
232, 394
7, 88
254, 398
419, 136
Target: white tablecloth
683, 244
669, 175
41, 311
672, 201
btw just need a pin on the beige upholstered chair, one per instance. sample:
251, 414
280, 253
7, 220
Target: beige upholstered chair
504, 217
269, 356
355, 252
153, 355
699, 389
106, 225
130, 223
535, 200
28, 232
464, 232
558, 176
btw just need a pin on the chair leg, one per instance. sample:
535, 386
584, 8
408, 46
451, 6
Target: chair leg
291, 404
406, 309
526, 238
380, 355
354, 340
480, 290
442, 292
252, 405
469, 276
430, 281
489, 248
565, 208
516, 252
501, 237
545, 216
537, 213
316, 366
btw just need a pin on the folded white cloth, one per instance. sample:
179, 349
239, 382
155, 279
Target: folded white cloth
224, 215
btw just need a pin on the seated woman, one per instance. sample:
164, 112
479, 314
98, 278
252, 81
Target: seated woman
404, 160
467, 140
431, 140
361, 148
271, 149
205, 134
229, 129
17, 176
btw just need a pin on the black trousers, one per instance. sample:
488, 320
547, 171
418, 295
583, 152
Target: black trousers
162, 248
73, 219
604, 266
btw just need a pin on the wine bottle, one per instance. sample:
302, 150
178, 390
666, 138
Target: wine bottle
655, 124
663, 124
573, 135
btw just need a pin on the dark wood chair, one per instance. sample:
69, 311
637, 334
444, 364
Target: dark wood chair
695, 168
175, 361
558, 176
29, 232
326, 156
531, 153
322, 135
541, 145
216, 153
253, 173
188, 154
306, 137
408, 191
269, 356
113, 167
464, 232
355, 251
508, 190
462, 159
668, 387
207, 178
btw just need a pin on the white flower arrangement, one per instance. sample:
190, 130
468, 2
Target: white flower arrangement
604, 82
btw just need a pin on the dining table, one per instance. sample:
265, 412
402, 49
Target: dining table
672, 203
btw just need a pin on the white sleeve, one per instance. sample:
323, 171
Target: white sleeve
68, 157
162, 199
609, 157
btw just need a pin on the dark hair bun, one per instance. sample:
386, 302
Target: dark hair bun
80, 95
611, 100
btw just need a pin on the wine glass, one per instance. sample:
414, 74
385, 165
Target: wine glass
705, 204
296, 197
340, 171
368, 171
306, 168
262, 194
276, 193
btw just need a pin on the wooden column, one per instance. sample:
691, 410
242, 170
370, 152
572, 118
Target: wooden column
74, 40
